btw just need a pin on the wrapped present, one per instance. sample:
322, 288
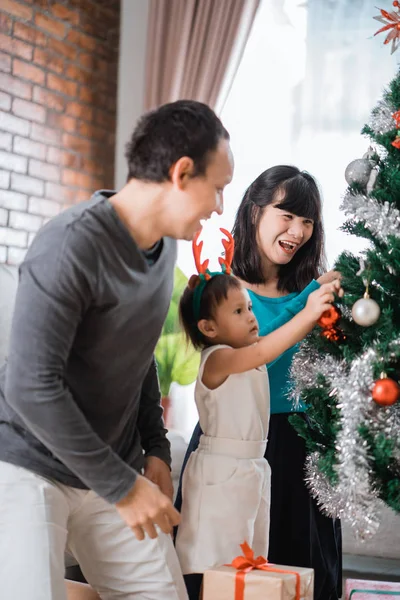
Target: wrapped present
362, 589
249, 578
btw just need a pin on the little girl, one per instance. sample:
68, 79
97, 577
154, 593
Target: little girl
227, 479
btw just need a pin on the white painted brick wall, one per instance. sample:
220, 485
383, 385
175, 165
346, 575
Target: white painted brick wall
44, 170
15, 256
13, 237
4, 179
27, 185
13, 162
5, 141
13, 200
25, 221
3, 216
45, 208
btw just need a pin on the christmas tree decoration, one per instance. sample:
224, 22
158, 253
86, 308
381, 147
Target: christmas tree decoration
381, 120
366, 311
358, 171
396, 141
348, 488
333, 334
381, 219
330, 317
391, 21
352, 432
386, 391
362, 171
328, 322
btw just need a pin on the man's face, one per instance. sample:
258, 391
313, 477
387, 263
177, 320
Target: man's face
200, 196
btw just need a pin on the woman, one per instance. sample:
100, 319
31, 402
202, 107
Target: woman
279, 251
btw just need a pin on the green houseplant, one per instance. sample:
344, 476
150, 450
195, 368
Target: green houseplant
176, 360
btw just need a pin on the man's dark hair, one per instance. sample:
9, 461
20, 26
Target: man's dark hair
301, 198
163, 136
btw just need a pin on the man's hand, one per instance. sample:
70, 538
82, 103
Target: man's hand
146, 506
159, 473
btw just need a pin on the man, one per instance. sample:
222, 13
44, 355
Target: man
80, 414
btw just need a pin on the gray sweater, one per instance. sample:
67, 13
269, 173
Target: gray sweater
79, 394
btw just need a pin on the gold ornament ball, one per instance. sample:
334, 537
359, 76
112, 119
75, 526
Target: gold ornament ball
386, 392
366, 312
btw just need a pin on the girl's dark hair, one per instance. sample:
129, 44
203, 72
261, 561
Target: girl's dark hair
302, 198
215, 290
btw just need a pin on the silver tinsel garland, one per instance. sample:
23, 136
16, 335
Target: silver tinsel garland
358, 499
327, 496
354, 498
381, 219
381, 120
306, 365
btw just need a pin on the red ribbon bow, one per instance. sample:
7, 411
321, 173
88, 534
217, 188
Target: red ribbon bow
246, 563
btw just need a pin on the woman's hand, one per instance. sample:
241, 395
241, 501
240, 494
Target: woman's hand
329, 277
321, 300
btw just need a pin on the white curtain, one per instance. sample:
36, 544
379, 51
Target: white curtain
194, 48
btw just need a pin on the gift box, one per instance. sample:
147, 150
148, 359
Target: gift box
362, 589
249, 578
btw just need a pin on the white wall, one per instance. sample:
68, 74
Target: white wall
132, 55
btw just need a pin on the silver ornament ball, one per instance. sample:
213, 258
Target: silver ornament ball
358, 171
366, 312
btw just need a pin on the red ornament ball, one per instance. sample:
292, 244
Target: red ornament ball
333, 334
329, 317
386, 392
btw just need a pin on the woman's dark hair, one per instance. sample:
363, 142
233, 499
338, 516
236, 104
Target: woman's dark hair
163, 136
302, 198
215, 290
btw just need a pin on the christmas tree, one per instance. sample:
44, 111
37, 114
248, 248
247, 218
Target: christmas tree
348, 369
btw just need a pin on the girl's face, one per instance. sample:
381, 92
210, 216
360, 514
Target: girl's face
234, 322
281, 234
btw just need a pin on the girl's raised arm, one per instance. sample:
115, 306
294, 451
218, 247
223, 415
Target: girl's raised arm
228, 361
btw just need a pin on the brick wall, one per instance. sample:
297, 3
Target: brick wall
58, 87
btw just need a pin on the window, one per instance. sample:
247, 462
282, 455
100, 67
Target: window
309, 77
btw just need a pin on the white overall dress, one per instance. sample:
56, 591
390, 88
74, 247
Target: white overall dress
226, 483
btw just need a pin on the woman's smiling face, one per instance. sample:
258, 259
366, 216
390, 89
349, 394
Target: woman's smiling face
281, 233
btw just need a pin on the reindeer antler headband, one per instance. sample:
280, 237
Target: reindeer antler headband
202, 267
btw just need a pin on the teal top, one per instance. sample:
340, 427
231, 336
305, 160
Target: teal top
271, 314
